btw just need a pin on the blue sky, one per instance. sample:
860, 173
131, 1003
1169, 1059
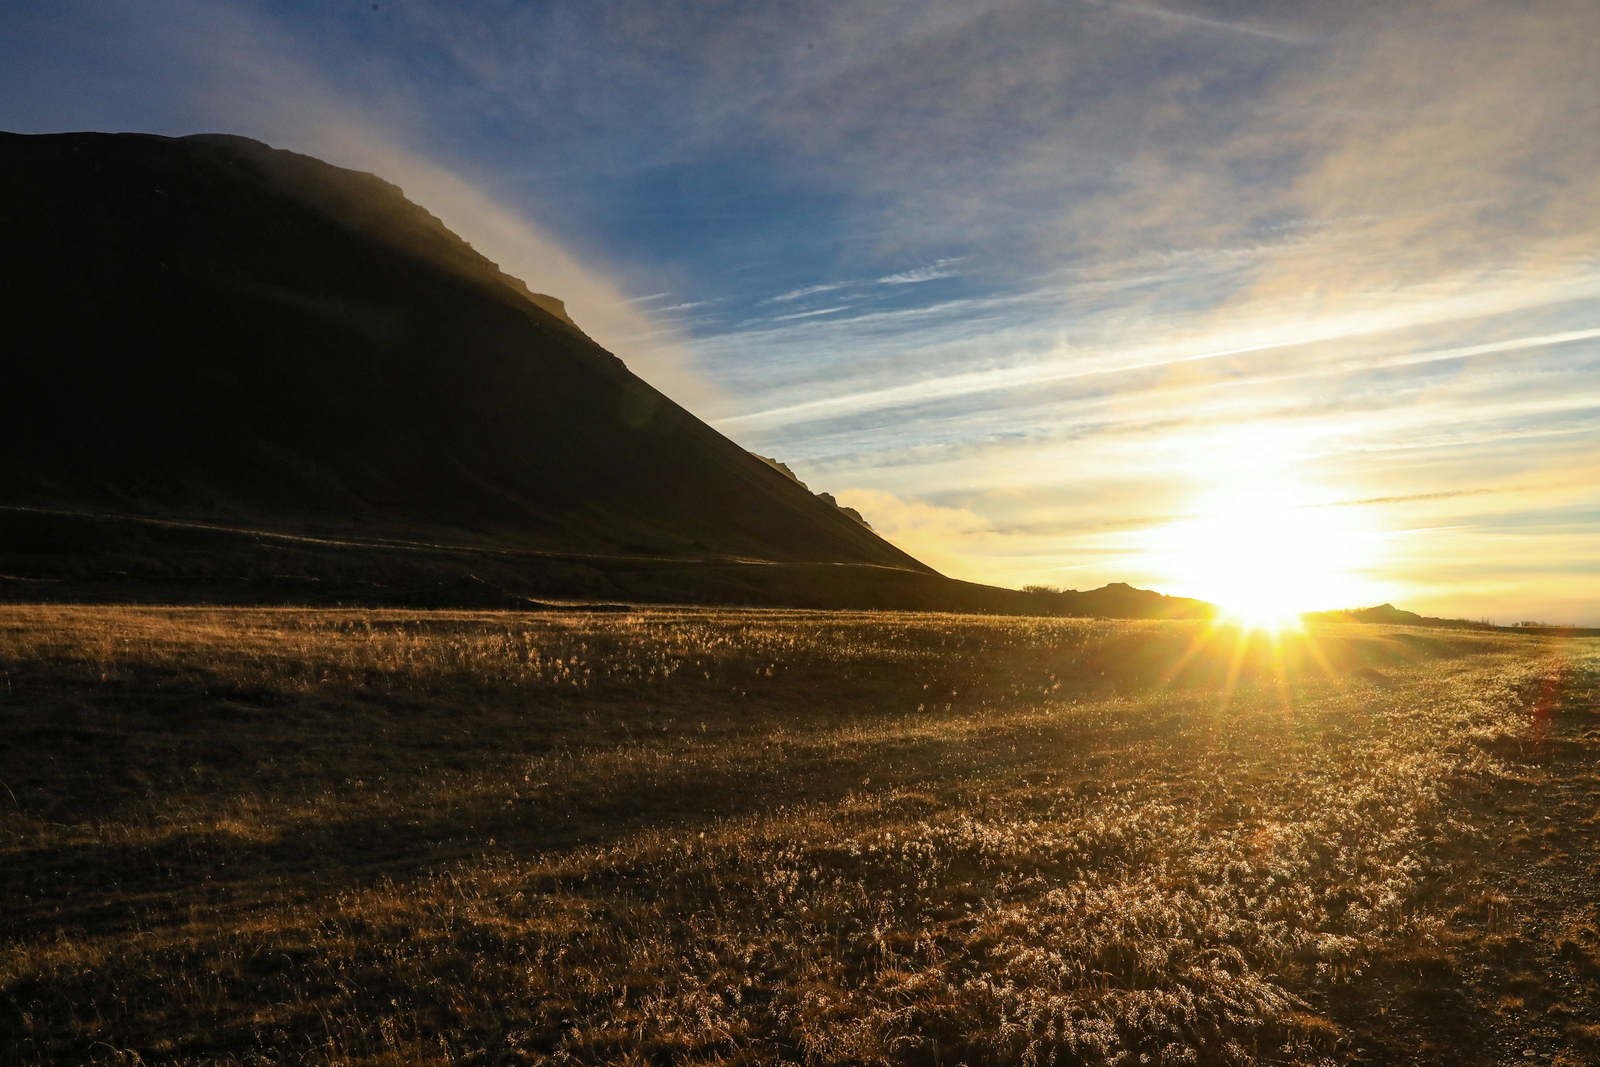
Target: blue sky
1200, 296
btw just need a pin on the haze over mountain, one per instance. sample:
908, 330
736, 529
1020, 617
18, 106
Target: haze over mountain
208, 335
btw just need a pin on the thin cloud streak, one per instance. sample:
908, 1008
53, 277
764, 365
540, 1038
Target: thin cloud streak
809, 290
973, 383
938, 270
1151, 11
1448, 494
812, 314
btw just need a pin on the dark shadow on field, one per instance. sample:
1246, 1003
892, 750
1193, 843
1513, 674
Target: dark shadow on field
398, 803
168, 787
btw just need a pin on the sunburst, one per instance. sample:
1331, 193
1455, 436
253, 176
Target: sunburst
1265, 555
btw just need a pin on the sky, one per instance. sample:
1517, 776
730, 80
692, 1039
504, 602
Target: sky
1281, 304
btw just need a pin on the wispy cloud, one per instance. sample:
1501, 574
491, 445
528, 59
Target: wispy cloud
1204, 22
812, 314
804, 291
940, 269
1448, 494
1081, 365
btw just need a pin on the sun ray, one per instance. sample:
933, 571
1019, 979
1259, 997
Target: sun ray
1202, 639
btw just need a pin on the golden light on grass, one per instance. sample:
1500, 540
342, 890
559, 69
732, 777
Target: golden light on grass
405, 837
1265, 554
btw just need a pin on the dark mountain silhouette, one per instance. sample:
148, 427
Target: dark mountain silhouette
208, 326
230, 370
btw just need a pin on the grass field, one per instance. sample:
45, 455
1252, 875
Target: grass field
251, 836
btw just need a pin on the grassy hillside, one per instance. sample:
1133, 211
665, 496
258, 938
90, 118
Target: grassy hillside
410, 837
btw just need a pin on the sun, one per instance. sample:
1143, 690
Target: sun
1266, 555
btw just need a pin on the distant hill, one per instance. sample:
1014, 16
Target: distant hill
233, 372
1389, 614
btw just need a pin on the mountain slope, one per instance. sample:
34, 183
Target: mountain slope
208, 328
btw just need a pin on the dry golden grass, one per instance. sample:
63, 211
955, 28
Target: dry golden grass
382, 837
